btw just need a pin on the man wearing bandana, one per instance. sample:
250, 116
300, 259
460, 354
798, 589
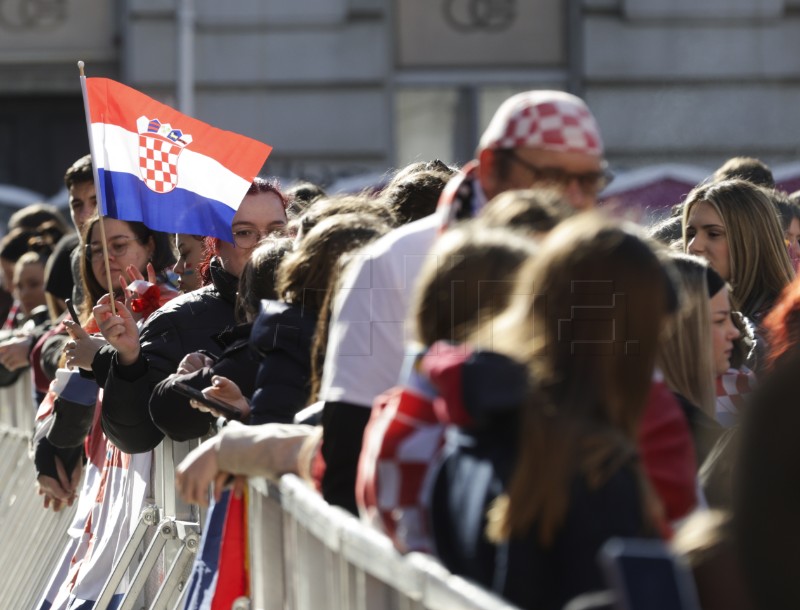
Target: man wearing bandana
535, 139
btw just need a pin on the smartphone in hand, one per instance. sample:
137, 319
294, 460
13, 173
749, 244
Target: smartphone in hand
225, 409
645, 574
72, 313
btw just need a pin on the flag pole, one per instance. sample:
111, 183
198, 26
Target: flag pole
97, 188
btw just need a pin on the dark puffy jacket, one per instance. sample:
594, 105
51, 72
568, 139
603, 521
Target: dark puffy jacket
482, 391
171, 411
282, 336
270, 361
188, 323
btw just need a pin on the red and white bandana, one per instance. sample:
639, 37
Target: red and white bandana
462, 197
547, 120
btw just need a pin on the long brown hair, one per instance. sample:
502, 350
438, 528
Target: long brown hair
163, 257
589, 310
686, 353
310, 276
759, 263
304, 274
337, 205
468, 278
257, 281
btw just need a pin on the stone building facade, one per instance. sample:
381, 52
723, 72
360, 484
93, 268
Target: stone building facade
343, 88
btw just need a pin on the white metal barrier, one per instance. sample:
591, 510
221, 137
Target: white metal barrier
17, 408
306, 555
33, 537
161, 549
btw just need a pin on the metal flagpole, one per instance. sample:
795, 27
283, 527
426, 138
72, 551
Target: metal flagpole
185, 55
97, 187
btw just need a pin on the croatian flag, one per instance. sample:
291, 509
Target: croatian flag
163, 168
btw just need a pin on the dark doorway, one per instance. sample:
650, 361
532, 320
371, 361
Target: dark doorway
40, 136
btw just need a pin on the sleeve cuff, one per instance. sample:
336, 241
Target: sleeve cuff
130, 372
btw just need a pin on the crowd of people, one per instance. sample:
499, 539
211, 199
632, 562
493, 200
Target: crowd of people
481, 362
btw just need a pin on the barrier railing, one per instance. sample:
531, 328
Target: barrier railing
158, 554
160, 550
306, 554
17, 407
34, 538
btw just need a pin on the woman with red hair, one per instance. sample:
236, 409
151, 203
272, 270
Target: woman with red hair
131, 366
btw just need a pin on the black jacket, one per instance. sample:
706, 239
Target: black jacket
282, 336
171, 411
764, 473
477, 465
476, 470
343, 425
188, 323
705, 430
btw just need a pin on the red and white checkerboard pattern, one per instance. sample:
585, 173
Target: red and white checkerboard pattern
402, 443
549, 120
158, 163
733, 388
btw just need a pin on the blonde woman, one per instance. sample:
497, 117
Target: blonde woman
687, 355
734, 225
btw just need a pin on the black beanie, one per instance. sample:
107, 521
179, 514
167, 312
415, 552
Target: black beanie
714, 282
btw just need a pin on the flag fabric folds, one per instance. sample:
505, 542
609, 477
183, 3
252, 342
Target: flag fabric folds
233, 578
220, 573
203, 579
168, 170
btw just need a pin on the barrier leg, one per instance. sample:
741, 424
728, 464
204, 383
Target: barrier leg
147, 519
173, 542
171, 591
